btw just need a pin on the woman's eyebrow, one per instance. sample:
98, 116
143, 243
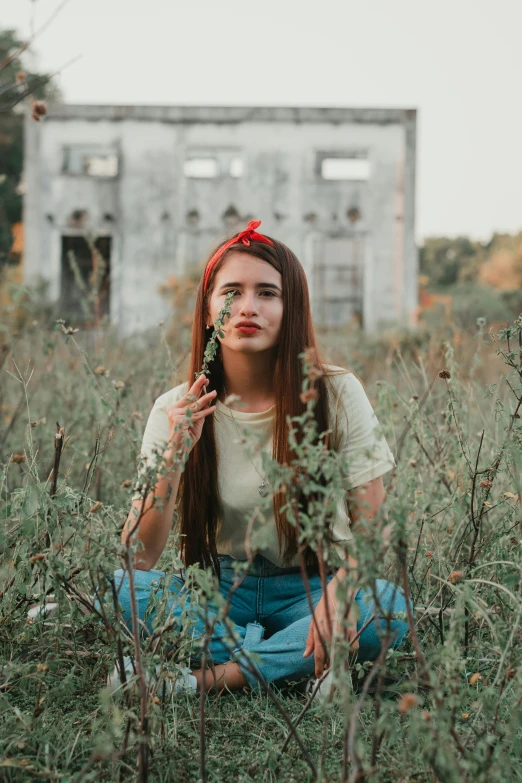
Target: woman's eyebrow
258, 285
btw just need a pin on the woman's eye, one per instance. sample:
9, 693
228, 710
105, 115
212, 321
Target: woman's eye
236, 291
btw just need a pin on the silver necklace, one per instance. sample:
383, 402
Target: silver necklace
263, 488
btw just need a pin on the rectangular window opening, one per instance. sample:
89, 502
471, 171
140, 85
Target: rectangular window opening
236, 167
352, 165
353, 169
92, 160
100, 165
201, 168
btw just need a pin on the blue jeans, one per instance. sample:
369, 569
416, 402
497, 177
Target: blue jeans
270, 615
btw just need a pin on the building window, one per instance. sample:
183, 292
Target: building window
201, 168
236, 167
101, 165
213, 163
91, 161
353, 167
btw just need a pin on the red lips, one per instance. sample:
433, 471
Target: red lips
247, 325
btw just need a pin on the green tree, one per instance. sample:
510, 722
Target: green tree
16, 86
446, 261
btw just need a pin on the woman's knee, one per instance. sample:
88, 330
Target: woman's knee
391, 597
144, 583
119, 576
141, 578
393, 608
388, 610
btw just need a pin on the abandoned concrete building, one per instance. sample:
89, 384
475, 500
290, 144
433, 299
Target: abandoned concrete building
155, 188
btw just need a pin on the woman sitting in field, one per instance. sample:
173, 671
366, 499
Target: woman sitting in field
223, 481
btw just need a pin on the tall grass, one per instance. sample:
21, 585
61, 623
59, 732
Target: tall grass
445, 706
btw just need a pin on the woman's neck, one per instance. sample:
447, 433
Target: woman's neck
251, 377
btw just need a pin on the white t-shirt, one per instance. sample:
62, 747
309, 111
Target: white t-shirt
359, 439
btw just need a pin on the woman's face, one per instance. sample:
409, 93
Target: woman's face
257, 307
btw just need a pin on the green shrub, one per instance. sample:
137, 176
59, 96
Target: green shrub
444, 706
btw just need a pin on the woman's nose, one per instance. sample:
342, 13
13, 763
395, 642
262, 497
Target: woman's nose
248, 304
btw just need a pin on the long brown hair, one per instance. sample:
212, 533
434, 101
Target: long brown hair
199, 502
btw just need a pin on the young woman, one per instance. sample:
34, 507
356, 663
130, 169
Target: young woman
223, 481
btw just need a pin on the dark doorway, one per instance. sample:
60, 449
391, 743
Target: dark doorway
85, 279
338, 281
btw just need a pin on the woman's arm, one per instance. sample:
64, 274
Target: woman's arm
181, 432
363, 503
156, 518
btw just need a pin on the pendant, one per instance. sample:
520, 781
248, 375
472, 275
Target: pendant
263, 489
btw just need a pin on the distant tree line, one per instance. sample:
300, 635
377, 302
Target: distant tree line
497, 263
17, 85
483, 279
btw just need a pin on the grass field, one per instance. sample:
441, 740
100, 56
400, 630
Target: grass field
446, 706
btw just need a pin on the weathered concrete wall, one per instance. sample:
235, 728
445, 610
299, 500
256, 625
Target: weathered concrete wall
153, 231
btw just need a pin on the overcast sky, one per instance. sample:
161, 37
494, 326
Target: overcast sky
457, 61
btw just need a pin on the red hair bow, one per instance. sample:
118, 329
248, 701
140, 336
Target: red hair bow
244, 237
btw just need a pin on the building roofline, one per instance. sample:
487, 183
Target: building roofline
229, 114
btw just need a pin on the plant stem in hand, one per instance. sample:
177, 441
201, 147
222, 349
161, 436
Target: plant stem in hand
212, 345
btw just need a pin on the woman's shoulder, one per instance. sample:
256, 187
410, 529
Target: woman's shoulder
341, 380
171, 396
346, 393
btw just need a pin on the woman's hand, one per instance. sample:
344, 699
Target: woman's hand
182, 427
313, 642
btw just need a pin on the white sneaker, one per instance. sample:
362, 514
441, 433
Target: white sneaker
185, 682
324, 689
49, 606
37, 610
